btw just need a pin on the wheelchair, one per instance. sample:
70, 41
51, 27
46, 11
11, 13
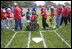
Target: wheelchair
32, 26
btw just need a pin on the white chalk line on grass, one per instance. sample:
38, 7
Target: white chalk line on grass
23, 31
29, 39
10, 40
45, 46
62, 39
44, 30
47, 31
38, 31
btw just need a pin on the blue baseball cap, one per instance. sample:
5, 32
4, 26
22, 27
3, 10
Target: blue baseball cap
28, 9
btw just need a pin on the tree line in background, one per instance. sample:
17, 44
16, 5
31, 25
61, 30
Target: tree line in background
49, 4
20, 3
29, 3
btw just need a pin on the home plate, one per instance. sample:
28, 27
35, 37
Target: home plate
37, 39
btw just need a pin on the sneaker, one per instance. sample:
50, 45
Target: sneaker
42, 28
68, 23
7, 28
28, 21
54, 26
50, 26
13, 30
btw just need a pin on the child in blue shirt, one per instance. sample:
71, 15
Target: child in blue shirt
28, 14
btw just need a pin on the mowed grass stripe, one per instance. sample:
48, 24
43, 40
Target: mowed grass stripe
20, 40
65, 32
10, 41
53, 41
62, 39
5, 37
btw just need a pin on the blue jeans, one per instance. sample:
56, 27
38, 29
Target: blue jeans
10, 23
58, 20
3, 24
18, 22
28, 17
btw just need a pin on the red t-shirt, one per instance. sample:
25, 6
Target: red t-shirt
69, 10
42, 9
43, 12
33, 17
17, 13
59, 10
10, 15
3, 15
65, 12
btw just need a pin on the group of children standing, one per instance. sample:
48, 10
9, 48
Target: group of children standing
62, 13
11, 17
15, 16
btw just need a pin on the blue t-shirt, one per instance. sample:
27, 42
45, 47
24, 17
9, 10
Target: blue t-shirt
28, 13
34, 9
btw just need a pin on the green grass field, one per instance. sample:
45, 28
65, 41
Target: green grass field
52, 40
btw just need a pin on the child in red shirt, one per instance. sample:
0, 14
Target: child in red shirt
69, 15
33, 17
10, 17
59, 15
64, 15
44, 17
3, 18
17, 16
3, 14
53, 18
